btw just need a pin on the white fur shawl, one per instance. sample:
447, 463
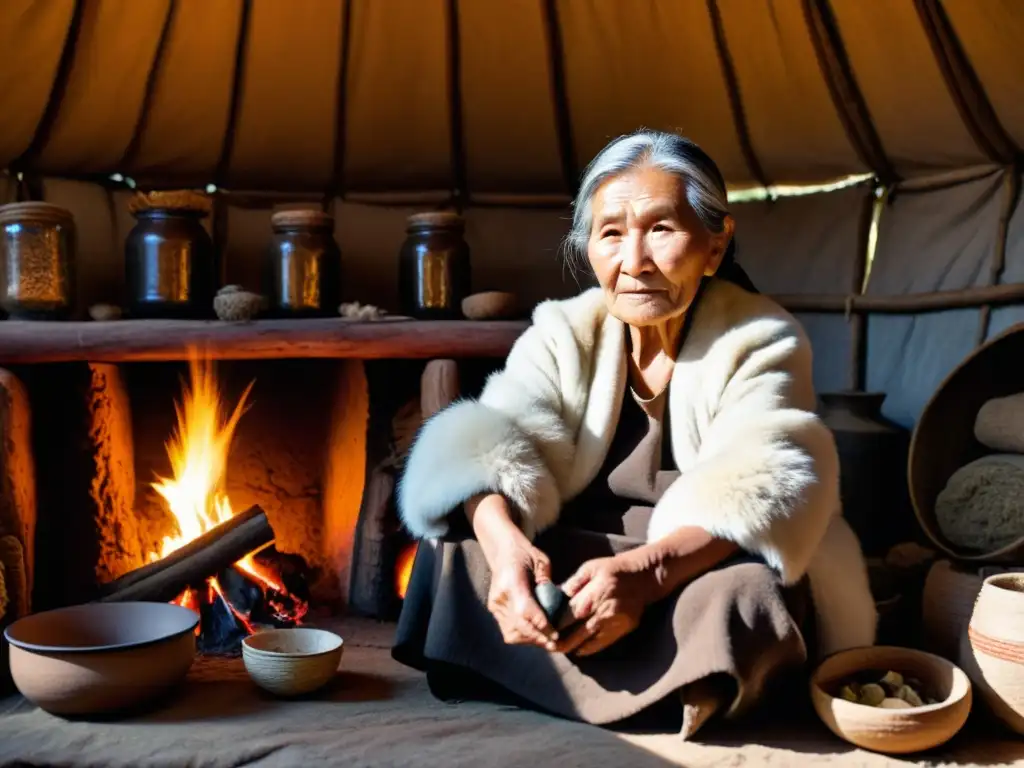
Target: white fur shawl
757, 466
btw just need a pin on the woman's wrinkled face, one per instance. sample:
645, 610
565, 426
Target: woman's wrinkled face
647, 247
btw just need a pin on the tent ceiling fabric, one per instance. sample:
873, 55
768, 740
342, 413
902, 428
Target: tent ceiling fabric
373, 96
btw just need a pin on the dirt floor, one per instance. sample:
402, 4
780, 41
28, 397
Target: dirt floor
378, 713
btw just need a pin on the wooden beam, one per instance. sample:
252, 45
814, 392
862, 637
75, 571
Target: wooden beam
167, 340
907, 304
125, 341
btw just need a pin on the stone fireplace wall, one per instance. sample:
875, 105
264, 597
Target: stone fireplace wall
17, 500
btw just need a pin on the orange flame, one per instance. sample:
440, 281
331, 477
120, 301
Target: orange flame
403, 569
198, 451
189, 599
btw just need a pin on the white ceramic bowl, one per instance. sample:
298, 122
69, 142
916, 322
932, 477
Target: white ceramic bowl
291, 662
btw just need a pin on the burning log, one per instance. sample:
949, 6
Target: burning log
202, 557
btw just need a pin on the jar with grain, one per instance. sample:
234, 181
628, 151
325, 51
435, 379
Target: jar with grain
434, 266
303, 267
171, 268
37, 245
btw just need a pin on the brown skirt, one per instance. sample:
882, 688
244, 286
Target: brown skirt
736, 623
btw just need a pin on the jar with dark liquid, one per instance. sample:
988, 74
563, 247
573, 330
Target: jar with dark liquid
170, 263
303, 267
434, 267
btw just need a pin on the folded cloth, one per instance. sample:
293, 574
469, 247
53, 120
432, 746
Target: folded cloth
999, 424
982, 506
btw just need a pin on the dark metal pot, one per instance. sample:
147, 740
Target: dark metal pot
873, 453
170, 263
434, 267
37, 247
303, 266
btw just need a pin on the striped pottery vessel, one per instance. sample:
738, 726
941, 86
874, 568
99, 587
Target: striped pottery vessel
996, 637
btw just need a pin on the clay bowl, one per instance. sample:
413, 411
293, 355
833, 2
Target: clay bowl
892, 731
101, 658
292, 662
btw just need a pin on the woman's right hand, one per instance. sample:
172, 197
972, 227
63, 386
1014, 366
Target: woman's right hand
510, 598
516, 566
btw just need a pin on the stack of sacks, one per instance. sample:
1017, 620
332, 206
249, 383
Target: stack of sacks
982, 506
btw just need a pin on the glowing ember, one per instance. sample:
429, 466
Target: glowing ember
198, 452
403, 569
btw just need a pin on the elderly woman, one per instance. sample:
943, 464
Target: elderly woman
651, 446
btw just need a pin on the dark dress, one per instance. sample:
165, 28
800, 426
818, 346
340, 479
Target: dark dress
735, 623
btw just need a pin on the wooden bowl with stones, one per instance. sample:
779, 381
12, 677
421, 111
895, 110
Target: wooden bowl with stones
292, 662
891, 719
101, 658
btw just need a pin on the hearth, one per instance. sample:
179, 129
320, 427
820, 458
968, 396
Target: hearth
258, 489
259, 493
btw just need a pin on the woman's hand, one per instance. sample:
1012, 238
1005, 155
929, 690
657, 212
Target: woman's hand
516, 566
609, 595
510, 599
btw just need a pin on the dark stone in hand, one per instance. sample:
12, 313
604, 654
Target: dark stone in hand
554, 602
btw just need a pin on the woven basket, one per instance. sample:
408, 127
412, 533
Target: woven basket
943, 440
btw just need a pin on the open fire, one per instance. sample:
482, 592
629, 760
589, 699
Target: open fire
264, 588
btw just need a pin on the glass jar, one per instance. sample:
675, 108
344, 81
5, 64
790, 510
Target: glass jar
303, 267
434, 266
170, 263
37, 245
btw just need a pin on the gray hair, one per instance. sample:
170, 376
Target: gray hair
704, 183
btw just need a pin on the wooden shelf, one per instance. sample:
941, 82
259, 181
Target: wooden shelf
162, 340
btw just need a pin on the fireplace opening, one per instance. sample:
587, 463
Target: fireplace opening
259, 493
251, 593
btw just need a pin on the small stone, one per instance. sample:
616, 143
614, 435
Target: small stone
871, 695
104, 312
895, 679
490, 305
553, 601
236, 305
909, 695
891, 703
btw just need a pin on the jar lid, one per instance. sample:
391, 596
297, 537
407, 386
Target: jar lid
170, 200
44, 213
305, 218
440, 219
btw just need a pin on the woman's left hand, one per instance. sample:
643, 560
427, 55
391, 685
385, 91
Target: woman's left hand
609, 595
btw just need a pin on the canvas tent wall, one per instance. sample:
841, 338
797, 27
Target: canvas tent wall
377, 108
